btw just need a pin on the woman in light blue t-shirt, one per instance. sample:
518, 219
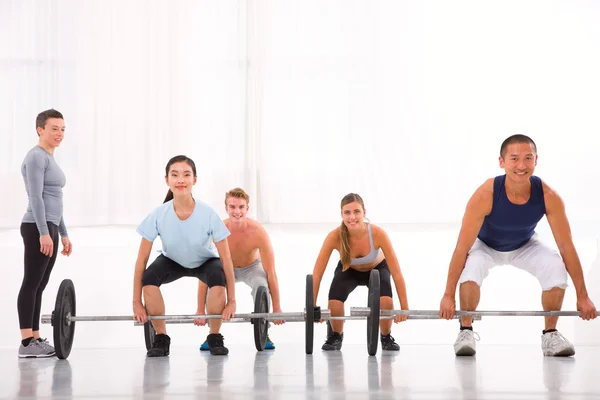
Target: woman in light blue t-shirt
194, 244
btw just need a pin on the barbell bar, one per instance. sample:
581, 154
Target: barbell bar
46, 319
64, 317
325, 316
366, 311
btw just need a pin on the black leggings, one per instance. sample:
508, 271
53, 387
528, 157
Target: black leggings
37, 273
344, 282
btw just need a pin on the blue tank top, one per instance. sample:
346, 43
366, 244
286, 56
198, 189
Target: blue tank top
373, 253
509, 226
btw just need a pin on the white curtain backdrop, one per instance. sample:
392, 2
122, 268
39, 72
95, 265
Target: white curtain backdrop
138, 82
300, 103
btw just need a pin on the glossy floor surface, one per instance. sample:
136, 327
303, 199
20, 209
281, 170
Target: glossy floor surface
416, 372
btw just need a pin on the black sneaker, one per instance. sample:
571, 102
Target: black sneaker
160, 347
216, 345
334, 342
388, 343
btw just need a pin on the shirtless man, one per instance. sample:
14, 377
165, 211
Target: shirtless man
499, 228
251, 252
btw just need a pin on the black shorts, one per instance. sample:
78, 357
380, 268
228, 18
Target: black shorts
345, 282
164, 270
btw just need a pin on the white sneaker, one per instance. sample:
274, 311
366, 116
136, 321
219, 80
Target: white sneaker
556, 345
465, 343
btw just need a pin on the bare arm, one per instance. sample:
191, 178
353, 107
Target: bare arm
139, 314
559, 224
225, 255
267, 257
381, 238
202, 290
329, 244
561, 230
479, 205
140, 267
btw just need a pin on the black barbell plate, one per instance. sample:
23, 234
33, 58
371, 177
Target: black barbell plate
149, 333
64, 332
374, 303
310, 315
261, 325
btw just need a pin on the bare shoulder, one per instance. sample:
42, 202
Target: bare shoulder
551, 196
332, 239
254, 224
380, 236
486, 188
548, 190
255, 228
378, 232
482, 199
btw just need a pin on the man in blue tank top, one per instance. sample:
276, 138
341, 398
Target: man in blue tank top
498, 228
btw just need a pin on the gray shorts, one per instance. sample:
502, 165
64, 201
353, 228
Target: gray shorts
254, 276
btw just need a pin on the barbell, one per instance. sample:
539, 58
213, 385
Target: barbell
64, 317
362, 312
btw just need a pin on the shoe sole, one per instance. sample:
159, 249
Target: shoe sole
562, 353
333, 349
159, 355
201, 349
38, 356
465, 351
398, 349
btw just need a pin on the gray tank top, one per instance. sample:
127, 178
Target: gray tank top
372, 256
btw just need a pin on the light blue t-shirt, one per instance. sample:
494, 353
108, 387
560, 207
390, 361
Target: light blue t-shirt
189, 242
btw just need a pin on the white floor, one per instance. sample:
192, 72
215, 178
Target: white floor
416, 372
509, 363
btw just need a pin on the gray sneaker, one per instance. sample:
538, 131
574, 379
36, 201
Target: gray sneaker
46, 345
35, 350
465, 343
556, 345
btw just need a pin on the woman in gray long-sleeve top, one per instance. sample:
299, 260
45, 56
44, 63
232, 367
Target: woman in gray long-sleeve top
40, 227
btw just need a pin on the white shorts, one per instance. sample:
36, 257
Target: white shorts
534, 257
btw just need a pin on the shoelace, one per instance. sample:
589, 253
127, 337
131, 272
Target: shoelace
333, 338
465, 335
388, 339
556, 338
44, 343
